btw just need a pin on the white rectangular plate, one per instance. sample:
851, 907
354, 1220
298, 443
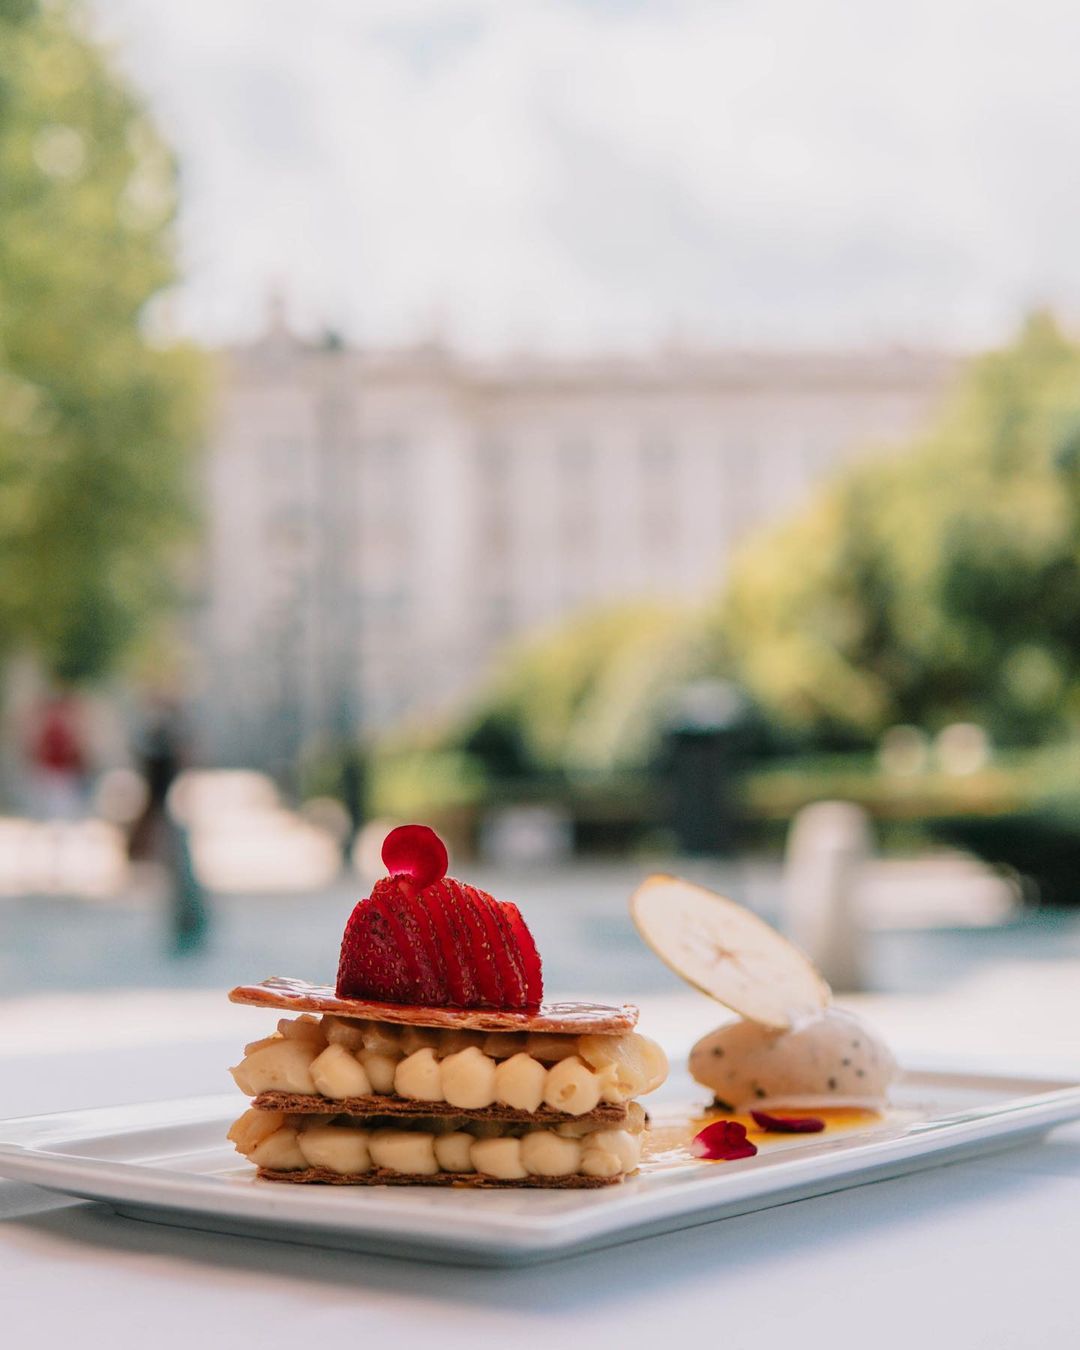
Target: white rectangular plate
169, 1162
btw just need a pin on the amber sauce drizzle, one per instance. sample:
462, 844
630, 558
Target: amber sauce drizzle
671, 1130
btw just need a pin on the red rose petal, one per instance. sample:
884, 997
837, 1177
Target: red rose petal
415, 851
722, 1141
787, 1124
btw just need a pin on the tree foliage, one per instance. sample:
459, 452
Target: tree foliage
95, 419
588, 697
940, 584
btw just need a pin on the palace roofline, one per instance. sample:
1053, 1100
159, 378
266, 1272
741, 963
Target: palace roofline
666, 366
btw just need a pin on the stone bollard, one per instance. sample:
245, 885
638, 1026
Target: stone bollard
828, 845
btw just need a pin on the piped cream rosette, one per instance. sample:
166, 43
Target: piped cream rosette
343, 1059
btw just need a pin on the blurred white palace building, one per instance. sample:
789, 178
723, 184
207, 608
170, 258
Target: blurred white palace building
381, 522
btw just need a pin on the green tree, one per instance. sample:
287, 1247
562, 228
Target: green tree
935, 584
96, 420
588, 697
942, 583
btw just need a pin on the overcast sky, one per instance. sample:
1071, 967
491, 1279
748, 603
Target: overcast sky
586, 173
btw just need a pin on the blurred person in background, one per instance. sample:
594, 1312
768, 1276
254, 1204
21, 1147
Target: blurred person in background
157, 835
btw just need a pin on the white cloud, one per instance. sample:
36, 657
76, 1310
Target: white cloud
584, 173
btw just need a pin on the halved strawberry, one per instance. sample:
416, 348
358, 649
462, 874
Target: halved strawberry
510, 966
387, 900
481, 940
426, 939
530, 957
425, 913
453, 936
417, 918
382, 954
373, 962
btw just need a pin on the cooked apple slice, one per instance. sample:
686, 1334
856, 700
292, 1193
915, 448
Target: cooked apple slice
727, 952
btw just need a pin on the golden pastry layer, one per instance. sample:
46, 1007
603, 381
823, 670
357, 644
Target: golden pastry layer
569, 1019
345, 1059
435, 1149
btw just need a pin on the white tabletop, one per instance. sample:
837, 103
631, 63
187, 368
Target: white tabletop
977, 1255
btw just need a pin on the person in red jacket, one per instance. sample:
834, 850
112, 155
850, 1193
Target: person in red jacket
58, 758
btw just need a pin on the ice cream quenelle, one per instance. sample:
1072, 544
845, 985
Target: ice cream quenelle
434, 1060
831, 1059
790, 1047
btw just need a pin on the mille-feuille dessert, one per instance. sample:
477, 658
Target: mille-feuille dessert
434, 1060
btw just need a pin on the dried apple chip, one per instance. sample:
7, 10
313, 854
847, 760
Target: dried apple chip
728, 953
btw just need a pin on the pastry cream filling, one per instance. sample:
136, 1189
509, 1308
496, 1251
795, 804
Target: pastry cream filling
338, 1057
290, 1143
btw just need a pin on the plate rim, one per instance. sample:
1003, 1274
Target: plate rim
29, 1153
